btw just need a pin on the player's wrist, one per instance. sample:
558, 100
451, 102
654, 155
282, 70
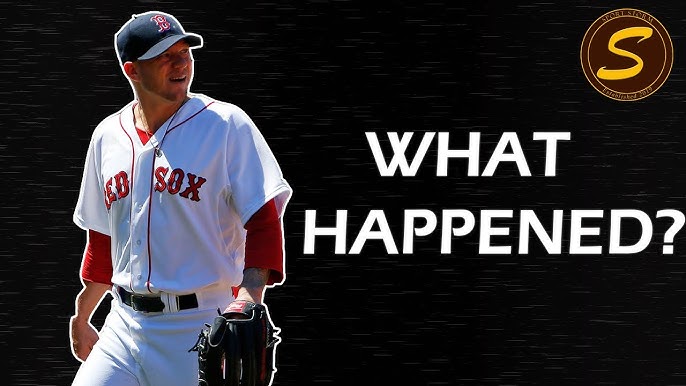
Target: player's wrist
252, 294
79, 319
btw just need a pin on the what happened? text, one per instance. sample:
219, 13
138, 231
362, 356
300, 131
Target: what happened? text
498, 231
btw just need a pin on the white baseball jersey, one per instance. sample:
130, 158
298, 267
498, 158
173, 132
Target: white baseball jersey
175, 207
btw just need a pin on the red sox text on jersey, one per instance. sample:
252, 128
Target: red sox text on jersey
117, 187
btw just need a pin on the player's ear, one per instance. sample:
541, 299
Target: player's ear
131, 71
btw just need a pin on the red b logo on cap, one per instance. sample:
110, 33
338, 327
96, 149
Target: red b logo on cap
161, 22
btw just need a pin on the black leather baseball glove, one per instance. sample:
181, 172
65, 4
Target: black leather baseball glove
239, 348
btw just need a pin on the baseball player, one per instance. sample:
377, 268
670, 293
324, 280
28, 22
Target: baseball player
182, 201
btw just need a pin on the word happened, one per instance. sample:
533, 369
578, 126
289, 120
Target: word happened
583, 239
499, 231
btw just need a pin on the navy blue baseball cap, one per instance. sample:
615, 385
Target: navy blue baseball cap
148, 35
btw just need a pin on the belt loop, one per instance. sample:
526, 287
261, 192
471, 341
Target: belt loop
171, 302
116, 294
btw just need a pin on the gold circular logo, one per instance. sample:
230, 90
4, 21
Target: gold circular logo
627, 54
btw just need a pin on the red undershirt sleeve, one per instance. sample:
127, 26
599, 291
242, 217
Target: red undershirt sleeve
264, 242
97, 260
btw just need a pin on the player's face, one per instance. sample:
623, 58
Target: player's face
167, 76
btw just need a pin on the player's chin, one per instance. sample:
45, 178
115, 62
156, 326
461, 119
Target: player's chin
178, 90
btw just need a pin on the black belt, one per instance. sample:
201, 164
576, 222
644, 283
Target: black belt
154, 303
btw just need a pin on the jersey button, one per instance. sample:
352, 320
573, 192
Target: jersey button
138, 242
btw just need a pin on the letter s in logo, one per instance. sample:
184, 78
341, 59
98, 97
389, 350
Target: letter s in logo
626, 54
631, 32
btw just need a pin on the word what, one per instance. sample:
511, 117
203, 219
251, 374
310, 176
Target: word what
508, 140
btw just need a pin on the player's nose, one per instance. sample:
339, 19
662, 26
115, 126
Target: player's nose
181, 61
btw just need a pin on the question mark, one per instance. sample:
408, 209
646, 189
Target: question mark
679, 220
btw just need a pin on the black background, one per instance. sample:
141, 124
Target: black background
315, 76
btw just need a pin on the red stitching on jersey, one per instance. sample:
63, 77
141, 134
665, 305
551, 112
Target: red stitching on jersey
133, 162
189, 118
152, 174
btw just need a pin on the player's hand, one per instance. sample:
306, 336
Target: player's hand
83, 337
249, 295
